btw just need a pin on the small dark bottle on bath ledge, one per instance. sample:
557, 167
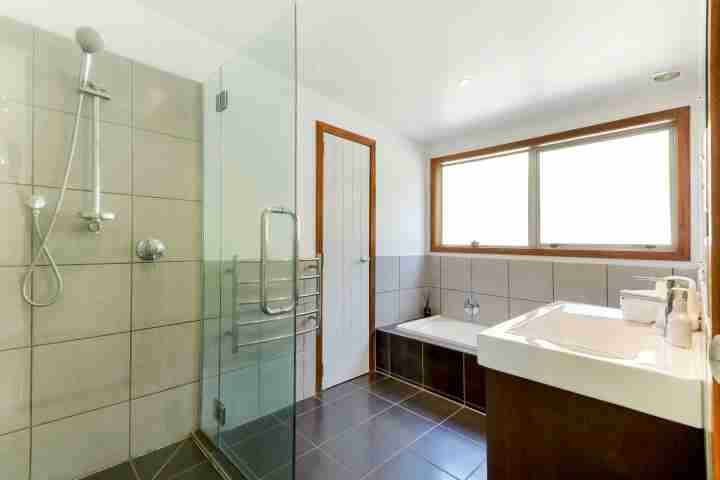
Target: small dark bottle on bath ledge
427, 311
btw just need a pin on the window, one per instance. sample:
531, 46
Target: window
617, 190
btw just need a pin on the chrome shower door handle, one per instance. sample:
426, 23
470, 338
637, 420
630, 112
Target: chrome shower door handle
264, 261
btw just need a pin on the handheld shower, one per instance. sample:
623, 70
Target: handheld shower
90, 42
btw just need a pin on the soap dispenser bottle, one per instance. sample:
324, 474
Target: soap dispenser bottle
679, 327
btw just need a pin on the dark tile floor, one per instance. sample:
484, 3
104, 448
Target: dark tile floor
371, 428
181, 461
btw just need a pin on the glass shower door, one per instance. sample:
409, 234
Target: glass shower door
251, 264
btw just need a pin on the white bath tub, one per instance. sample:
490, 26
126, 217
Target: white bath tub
445, 331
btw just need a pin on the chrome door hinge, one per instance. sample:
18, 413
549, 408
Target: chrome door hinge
220, 413
221, 101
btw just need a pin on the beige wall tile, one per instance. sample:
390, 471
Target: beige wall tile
453, 303
531, 280
52, 134
165, 293
96, 301
167, 103
78, 446
15, 141
14, 312
490, 276
176, 222
414, 271
73, 243
208, 422
15, 222
386, 274
493, 310
519, 307
211, 347
164, 418
386, 308
14, 390
57, 70
15, 455
411, 302
166, 166
456, 273
74, 377
621, 277
581, 282
16, 50
165, 357
434, 271
686, 272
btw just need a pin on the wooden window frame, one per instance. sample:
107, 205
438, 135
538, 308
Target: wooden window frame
680, 119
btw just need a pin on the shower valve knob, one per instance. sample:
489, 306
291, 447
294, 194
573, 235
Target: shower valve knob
150, 249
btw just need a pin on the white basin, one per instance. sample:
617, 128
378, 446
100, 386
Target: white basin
589, 329
592, 351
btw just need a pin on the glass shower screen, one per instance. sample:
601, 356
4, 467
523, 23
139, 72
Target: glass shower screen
250, 255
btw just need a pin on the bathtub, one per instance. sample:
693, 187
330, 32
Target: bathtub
446, 331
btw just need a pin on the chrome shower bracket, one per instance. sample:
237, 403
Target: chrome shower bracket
95, 216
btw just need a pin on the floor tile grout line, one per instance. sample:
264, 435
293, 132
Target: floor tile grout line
407, 448
231, 453
170, 458
484, 462
457, 412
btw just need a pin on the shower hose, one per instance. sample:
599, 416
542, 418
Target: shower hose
43, 249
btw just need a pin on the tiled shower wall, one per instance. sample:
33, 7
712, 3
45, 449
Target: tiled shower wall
111, 370
502, 288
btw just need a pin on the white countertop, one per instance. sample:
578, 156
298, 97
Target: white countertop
644, 373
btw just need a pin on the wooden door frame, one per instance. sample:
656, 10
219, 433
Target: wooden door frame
713, 200
321, 128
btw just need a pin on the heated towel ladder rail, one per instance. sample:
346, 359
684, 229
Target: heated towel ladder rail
306, 269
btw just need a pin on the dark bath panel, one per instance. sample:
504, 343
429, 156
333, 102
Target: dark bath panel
474, 383
405, 358
443, 370
382, 351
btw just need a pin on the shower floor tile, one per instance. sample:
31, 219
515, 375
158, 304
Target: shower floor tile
371, 428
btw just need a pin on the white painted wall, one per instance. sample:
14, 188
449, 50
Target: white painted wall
402, 177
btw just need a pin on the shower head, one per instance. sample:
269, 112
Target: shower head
89, 40
36, 202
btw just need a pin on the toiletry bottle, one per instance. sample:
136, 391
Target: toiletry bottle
679, 328
427, 311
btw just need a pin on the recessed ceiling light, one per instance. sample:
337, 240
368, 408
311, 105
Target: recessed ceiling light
465, 82
662, 77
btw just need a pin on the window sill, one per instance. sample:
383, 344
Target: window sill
676, 256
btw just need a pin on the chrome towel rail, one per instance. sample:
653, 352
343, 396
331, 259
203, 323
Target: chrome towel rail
279, 337
237, 314
274, 319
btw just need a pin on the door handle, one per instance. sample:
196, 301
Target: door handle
264, 261
364, 259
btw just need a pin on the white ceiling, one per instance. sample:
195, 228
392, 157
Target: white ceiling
400, 61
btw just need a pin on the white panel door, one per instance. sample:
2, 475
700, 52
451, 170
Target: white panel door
346, 248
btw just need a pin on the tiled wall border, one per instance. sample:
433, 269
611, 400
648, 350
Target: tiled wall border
503, 288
